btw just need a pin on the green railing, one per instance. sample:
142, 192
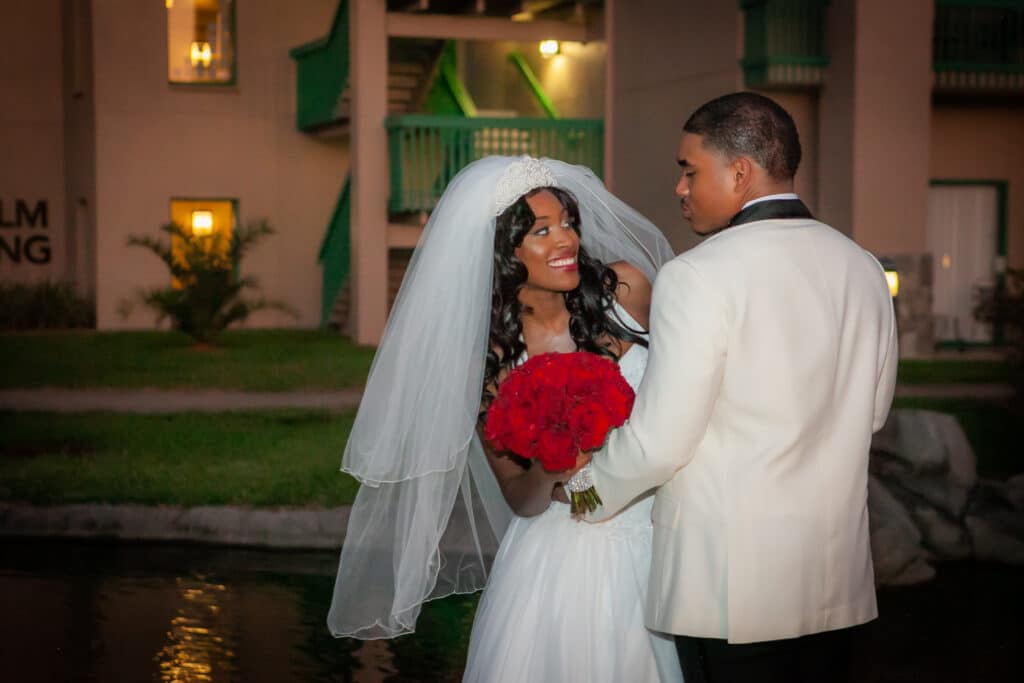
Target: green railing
979, 43
322, 74
427, 151
335, 252
784, 42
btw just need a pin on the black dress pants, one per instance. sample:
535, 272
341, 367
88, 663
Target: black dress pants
821, 657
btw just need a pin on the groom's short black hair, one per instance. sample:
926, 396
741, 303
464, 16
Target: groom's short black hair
750, 125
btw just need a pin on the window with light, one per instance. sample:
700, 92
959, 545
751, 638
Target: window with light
201, 41
208, 224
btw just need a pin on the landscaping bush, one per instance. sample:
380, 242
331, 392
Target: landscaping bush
205, 295
44, 305
1003, 307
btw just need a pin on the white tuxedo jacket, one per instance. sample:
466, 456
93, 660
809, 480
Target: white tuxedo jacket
772, 361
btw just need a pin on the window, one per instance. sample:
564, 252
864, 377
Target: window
201, 41
967, 240
210, 224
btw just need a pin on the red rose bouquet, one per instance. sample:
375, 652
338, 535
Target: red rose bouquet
555, 405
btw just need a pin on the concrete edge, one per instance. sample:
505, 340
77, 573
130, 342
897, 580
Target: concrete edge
293, 528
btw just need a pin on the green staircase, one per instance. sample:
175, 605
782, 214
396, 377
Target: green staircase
433, 133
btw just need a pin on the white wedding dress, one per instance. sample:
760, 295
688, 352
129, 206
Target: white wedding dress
565, 599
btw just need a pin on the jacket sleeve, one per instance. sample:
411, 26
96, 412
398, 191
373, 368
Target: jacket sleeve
688, 339
887, 376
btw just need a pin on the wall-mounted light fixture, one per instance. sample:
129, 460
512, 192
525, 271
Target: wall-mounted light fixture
202, 223
549, 48
200, 53
892, 277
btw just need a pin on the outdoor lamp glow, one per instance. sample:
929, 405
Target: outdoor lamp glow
549, 48
893, 278
200, 53
202, 223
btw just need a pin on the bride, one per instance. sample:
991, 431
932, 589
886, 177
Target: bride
511, 264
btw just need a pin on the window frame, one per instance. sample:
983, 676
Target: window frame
232, 21
1002, 187
235, 216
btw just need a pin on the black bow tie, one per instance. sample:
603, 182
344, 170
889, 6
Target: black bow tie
771, 209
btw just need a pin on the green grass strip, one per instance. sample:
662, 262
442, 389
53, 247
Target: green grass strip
250, 360
255, 458
952, 371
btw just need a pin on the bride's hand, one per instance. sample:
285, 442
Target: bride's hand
558, 493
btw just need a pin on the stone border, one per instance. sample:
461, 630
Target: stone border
298, 528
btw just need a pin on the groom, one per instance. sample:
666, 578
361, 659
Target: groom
772, 361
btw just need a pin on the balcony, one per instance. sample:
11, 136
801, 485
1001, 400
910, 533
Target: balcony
979, 45
428, 151
784, 43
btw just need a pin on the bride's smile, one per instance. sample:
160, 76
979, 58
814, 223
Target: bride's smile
549, 250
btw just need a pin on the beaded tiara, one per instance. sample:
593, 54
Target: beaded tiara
521, 176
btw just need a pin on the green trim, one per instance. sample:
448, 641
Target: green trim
335, 256
447, 94
449, 75
1002, 233
947, 344
978, 36
997, 4
312, 46
233, 81
322, 74
783, 43
785, 60
533, 83
989, 67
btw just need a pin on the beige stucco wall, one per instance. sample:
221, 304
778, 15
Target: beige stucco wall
874, 116
892, 112
666, 58
835, 123
155, 141
32, 133
803, 107
79, 242
983, 142
574, 79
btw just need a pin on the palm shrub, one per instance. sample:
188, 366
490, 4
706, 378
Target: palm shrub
44, 305
1004, 306
206, 291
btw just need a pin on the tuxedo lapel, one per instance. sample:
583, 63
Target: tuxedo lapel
771, 210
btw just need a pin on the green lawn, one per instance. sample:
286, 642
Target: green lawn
951, 371
259, 458
253, 360
285, 457
993, 428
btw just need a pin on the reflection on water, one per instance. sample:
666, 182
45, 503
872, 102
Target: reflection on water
96, 612
107, 612
195, 646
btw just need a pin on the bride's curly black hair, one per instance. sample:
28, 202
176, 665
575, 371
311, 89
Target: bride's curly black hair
589, 304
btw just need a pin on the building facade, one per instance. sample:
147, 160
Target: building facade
339, 122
